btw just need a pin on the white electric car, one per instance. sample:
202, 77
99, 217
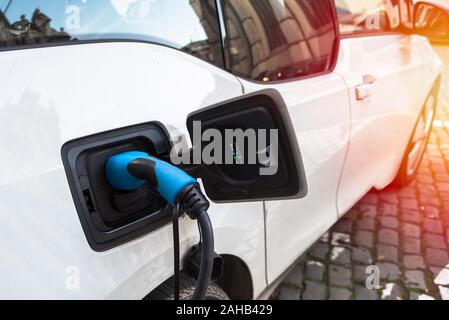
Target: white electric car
356, 82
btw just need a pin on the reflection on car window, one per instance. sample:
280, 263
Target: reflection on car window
272, 40
368, 16
406, 7
191, 26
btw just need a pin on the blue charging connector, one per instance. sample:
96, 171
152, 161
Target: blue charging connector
122, 169
132, 170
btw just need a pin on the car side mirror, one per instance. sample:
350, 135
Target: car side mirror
431, 20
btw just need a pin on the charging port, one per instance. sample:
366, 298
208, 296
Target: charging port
110, 217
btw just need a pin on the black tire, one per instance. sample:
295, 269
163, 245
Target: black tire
410, 166
186, 288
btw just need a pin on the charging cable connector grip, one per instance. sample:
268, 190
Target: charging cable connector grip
192, 201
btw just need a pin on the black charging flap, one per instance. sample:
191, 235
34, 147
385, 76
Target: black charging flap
242, 180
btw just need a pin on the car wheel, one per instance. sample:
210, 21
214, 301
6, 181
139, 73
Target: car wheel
186, 289
418, 143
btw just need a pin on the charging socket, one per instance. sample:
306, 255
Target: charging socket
110, 217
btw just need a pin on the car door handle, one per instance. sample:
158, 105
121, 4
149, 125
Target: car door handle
367, 89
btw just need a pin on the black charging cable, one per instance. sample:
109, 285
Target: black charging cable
207, 256
121, 172
193, 202
176, 251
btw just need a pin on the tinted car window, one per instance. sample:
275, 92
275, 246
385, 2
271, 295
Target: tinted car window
190, 26
272, 40
368, 16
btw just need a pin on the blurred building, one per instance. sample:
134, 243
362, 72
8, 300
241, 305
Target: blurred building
23, 31
210, 49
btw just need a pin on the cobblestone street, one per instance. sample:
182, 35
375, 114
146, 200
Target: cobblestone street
403, 232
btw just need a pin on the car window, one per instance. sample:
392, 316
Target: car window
368, 16
191, 26
273, 40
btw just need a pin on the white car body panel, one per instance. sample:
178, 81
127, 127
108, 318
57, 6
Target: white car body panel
319, 109
405, 68
52, 95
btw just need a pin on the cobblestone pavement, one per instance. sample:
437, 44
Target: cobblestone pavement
403, 232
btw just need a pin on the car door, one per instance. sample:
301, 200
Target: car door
290, 46
384, 68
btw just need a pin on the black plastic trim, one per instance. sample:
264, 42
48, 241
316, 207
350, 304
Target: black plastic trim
144, 169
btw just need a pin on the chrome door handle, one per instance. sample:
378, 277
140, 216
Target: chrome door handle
367, 89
